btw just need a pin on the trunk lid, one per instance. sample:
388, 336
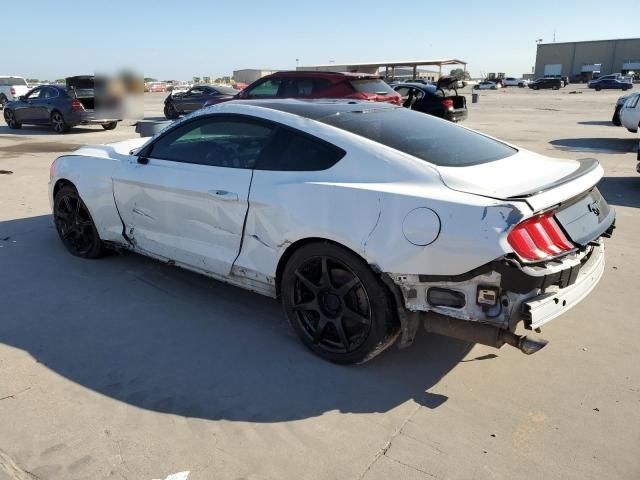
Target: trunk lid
541, 181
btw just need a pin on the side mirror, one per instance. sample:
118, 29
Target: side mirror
243, 94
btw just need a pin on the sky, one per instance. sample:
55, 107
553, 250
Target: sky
179, 40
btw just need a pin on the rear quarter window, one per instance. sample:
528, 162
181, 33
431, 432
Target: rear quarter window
290, 150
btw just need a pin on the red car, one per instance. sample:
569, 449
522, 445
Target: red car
303, 84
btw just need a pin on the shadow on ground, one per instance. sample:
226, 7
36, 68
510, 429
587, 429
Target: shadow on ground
604, 123
30, 130
596, 145
167, 340
622, 191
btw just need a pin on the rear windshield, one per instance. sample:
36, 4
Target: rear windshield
227, 90
374, 85
13, 81
423, 136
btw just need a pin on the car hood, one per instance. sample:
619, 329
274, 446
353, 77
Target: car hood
113, 151
540, 181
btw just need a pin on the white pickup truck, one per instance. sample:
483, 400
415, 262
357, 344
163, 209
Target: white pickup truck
11, 88
515, 82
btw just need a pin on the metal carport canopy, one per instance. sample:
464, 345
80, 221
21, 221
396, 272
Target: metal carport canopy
387, 65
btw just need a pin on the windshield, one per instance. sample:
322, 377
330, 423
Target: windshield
13, 81
423, 136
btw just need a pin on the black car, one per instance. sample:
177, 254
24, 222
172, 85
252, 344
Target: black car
433, 100
194, 99
62, 106
542, 83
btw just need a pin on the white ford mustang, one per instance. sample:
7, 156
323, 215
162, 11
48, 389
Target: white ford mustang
365, 219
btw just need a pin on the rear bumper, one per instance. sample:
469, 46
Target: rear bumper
544, 308
89, 118
456, 115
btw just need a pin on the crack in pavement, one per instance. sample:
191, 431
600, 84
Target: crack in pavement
387, 446
10, 466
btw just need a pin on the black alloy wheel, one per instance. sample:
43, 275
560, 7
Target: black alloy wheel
10, 119
75, 225
336, 304
58, 122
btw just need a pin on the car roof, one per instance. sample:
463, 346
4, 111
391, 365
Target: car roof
311, 109
317, 73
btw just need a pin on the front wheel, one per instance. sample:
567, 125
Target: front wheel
338, 307
536, 87
3, 101
170, 112
110, 125
75, 225
59, 123
10, 119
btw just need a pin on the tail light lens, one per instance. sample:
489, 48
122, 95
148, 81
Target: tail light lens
539, 238
13, 91
76, 105
448, 104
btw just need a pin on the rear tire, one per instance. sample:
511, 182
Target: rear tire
59, 124
535, 87
598, 89
110, 125
10, 119
336, 304
75, 225
3, 101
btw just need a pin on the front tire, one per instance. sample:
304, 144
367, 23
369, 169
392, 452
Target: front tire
59, 124
10, 120
75, 225
170, 112
3, 101
338, 307
110, 125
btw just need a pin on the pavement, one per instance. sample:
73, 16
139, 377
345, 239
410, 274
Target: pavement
126, 368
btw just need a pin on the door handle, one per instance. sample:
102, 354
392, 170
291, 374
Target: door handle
224, 195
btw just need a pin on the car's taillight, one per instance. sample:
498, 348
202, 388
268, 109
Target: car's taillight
13, 91
447, 103
76, 105
539, 238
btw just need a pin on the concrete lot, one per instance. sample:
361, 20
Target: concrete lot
125, 368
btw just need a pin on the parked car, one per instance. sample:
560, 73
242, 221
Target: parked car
177, 104
157, 87
515, 82
630, 113
364, 219
11, 88
62, 106
433, 99
616, 112
546, 83
309, 84
609, 82
486, 85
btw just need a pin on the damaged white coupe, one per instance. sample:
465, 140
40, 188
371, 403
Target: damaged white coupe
365, 220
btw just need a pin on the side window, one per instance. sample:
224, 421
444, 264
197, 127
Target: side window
35, 93
634, 102
403, 91
3, 82
49, 93
196, 91
293, 151
219, 142
268, 88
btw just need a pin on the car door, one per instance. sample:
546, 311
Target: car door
185, 197
25, 112
191, 101
44, 104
